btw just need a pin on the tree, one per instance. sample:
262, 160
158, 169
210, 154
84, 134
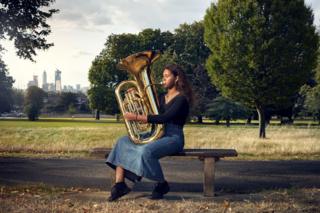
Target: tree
312, 96
6, 82
262, 51
103, 74
189, 51
18, 99
312, 102
24, 22
102, 98
223, 108
34, 102
66, 101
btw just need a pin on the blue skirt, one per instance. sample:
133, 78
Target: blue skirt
142, 160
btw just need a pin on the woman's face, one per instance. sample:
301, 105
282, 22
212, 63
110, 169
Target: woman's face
168, 79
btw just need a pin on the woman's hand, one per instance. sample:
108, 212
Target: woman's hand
134, 117
130, 116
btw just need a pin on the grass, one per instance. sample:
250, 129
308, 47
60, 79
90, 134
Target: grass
75, 137
41, 198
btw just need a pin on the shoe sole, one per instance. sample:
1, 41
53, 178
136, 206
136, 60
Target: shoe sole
110, 199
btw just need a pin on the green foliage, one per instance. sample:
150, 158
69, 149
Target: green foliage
103, 74
18, 99
103, 98
262, 52
189, 51
33, 102
185, 47
222, 108
62, 102
24, 22
66, 100
189, 44
312, 102
6, 81
72, 109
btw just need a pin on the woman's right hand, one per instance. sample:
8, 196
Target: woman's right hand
129, 116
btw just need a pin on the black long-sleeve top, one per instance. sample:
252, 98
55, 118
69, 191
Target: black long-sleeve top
175, 111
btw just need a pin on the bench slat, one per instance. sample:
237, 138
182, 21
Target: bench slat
219, 153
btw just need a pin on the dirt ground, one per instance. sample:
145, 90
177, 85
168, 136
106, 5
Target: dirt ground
42, 198
83, 185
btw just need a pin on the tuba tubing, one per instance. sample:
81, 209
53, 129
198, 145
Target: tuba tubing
141, 97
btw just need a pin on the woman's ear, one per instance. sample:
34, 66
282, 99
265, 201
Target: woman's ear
177, 78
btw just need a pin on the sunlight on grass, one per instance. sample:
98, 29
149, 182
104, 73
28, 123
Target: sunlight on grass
65, 136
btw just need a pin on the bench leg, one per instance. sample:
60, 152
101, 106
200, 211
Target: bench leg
208, 176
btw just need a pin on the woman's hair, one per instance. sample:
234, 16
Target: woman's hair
182, 85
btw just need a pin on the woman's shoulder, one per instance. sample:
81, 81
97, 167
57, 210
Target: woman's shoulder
181, 98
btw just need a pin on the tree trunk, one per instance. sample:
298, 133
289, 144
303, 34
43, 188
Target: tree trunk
228, 122
200, 121
97, 114
217, 122
262, 121
249, 120
117, 116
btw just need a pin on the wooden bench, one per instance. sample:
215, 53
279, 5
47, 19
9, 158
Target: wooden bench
208, 156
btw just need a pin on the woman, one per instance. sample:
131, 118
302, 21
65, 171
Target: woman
136, 161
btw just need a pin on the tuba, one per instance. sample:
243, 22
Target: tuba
139, 96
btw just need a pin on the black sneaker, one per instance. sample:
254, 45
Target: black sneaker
118, 190
160, 189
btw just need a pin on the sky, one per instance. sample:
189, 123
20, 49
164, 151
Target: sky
81, 28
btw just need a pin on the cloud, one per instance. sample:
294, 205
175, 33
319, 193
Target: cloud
78, 14
95, 15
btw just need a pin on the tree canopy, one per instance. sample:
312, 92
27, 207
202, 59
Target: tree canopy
24, 22
6, 83
262, 51
33, 102
103, 74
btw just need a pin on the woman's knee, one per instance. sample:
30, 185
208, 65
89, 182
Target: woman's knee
146, 153
122, 140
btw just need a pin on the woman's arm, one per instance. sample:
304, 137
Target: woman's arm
135, 117
180, 104
175, 107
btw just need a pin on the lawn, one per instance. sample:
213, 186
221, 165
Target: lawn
75, 137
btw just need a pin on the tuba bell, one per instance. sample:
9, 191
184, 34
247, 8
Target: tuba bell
139, 96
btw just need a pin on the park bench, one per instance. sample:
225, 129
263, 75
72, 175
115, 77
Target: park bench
208, 156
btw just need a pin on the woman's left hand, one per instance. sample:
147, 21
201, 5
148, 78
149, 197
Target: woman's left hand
129, 116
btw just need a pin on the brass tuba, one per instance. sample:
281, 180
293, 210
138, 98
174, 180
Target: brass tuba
139, 96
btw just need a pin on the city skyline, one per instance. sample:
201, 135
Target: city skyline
56, 85
79, 33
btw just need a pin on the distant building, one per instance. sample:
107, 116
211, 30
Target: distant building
34, 82
56, 86
44, 81
51, 87
57, 80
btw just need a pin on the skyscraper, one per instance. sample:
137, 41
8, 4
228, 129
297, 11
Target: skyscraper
35, 79
34, 82
57, 79
44, 81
